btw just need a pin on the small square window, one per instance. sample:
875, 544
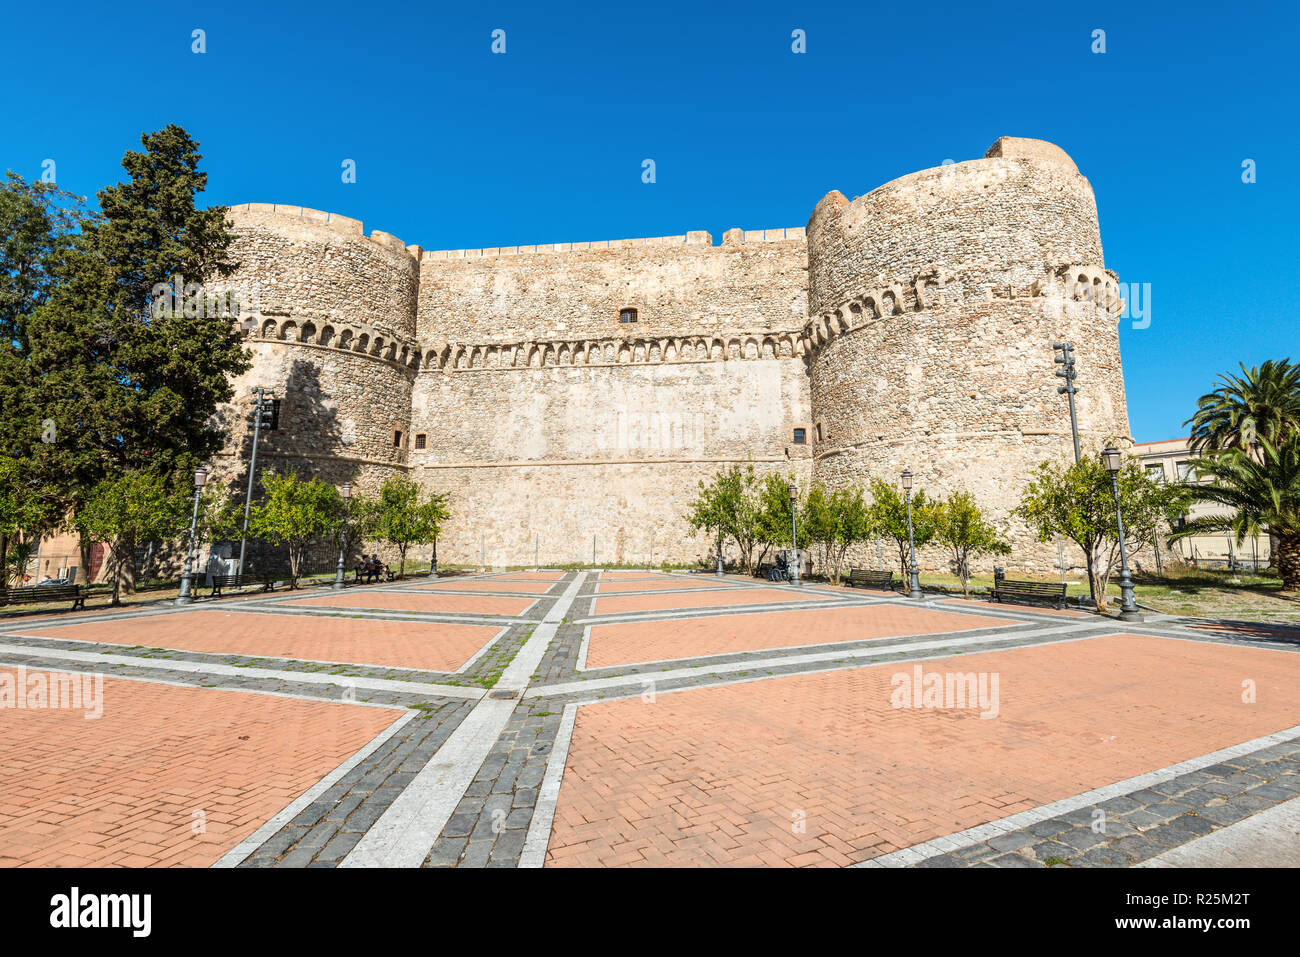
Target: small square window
1186, 472
800, 437
397, 440
419, 440
627, 315
1156, 473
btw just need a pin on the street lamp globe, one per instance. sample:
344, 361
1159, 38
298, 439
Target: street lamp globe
794, 492
1112, 458
201, 476
347, 491
907, 480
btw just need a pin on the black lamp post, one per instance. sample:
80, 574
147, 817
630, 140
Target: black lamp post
717, 568
914, 588
794, 532
183, 596
1128, 610
346, 492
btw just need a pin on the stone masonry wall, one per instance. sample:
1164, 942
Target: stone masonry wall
606, 450
679, 285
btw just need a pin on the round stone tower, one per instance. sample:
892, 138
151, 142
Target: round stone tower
934, 301
330, 317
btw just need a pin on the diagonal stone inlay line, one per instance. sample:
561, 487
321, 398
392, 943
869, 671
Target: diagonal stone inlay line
406, 832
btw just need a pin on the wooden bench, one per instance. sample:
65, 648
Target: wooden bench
870, 578
39, 594
1025, 591
385, 574
266, 579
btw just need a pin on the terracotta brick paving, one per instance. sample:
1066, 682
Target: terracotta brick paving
393, 644
704, 599
634, 642
122, 790
526, 587
726, 775
658, 584
413, 601
529, 576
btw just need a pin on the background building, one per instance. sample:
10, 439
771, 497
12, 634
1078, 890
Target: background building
1171, 460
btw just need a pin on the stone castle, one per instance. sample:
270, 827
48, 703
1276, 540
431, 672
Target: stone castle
570, 396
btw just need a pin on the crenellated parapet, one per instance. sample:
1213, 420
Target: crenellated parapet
936, 288
611, 351
356, 338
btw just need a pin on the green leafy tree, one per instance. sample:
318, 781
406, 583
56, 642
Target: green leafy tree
37, 222
128, 509
403, 518
295, 513
889, 517
773, 514
1260, 491
961, 527
128, 387
1260, 405
1077, 500
817, 522
27, 510
853, 522
727, 507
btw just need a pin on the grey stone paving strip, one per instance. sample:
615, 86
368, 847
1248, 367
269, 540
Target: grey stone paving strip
1270, 838
489, 824
259, 837
229, 671
539, 827
1140, 816
407, 831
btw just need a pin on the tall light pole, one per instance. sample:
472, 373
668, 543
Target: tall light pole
262, 395
1128, 610
1067, 372
717, 568
346, 492
200, 479
914, 587
794, 532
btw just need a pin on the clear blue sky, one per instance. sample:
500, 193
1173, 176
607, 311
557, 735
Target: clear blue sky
459, 148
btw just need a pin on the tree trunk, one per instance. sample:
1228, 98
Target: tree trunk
1288, 561
1098, 600
4, 555
1098, 581
125, 571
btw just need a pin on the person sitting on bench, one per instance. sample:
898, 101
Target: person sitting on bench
375, 568
778, 571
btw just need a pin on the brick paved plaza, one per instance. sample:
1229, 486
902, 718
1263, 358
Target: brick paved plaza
633, 718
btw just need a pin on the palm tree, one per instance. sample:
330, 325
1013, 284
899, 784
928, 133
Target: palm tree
1262, 491
1261, 404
